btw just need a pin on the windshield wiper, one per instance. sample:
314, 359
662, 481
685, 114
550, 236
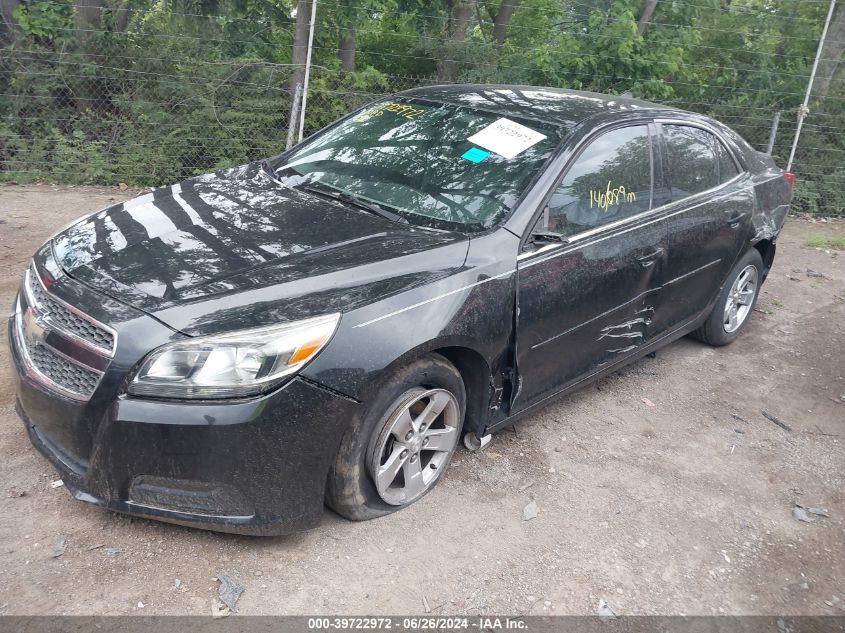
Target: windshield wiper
341, 196
361, 203
265, 166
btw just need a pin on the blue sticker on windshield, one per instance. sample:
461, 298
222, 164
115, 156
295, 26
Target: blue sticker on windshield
475, 155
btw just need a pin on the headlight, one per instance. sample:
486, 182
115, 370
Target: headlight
232, 365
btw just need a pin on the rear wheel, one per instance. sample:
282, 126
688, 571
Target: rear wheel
402, 445
736, 302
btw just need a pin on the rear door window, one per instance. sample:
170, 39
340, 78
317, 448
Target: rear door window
609, 181
694, 160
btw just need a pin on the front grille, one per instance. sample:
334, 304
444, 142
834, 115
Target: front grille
64, 319
57, 341
61, 371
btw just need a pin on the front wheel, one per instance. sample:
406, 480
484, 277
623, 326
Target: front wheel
402, 445
736, 302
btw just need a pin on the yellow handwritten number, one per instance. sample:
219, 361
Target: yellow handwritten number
399, 109
611, 196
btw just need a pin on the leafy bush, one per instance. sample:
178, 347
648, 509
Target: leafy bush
153, 92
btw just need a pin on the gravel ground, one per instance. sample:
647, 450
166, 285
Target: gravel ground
683, 507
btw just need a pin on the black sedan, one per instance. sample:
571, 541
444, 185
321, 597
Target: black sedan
324, 326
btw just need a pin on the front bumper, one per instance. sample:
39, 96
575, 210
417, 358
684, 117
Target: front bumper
253, 466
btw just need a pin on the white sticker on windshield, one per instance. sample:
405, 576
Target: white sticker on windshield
506, 138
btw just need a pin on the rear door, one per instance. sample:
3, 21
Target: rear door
589, 302
708, 217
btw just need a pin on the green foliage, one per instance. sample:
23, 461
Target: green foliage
827, 243
152, 92
50, 21
76, 149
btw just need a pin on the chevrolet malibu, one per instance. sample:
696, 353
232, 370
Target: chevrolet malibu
324, 326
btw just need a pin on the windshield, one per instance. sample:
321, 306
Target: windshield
418, 159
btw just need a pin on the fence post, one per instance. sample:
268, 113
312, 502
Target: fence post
804, 110
307, 69
293, 121
773, 133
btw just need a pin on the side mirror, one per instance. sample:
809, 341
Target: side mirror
548, 237
541, 234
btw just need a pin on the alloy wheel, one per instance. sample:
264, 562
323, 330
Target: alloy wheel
415, 445
740, 299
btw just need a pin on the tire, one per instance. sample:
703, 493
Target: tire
718, 329
373, 443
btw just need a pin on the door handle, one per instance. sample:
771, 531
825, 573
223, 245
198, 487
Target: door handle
734, 221
648, 260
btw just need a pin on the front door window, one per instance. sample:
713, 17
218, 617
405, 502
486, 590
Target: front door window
609, 181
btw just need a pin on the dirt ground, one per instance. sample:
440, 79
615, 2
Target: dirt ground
683, 507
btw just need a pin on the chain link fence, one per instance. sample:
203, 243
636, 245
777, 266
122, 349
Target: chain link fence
148, 97
74, 118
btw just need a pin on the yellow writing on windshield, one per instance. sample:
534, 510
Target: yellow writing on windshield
399, 109
610, 196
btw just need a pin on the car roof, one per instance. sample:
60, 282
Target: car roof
551, 105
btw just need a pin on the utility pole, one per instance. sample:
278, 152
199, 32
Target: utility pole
294, 115
803, 111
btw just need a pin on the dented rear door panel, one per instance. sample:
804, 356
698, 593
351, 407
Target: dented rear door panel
707, 233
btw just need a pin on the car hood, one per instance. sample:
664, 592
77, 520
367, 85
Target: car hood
236, 249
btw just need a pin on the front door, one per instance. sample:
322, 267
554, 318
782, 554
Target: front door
589, 302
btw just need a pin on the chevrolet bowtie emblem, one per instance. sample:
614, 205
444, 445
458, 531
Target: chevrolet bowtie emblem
32, 328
